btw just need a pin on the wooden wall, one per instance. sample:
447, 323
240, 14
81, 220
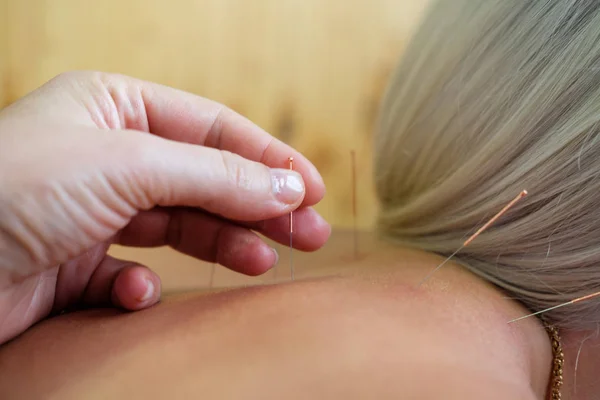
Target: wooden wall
311, 72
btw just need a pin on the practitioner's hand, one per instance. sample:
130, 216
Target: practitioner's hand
92, 159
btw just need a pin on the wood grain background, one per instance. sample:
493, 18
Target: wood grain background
311, 72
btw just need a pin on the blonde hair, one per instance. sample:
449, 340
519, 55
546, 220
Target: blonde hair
493, 97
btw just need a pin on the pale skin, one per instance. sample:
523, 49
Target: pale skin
347, 329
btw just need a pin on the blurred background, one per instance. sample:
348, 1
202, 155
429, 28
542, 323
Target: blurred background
311, 72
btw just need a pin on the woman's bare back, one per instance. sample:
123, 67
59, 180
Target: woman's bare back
347, 329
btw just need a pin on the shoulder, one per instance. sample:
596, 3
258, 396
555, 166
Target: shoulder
327, 338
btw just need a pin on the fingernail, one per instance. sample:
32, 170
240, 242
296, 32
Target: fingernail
288, 186
149, 291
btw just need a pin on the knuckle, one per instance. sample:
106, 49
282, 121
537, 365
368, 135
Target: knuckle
241, 173
233, 167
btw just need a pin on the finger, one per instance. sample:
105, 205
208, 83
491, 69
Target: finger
151, 228
202, 236
135, 288
310, 231
123, 284
184, 117
74, 277
115, 101
174, 174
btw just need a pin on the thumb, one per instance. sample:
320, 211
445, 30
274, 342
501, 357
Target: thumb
171, 173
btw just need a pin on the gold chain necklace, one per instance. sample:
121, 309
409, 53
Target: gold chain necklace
558, 361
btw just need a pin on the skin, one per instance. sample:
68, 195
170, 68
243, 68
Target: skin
347, 329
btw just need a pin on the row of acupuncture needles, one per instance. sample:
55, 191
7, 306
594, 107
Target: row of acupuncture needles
469, 240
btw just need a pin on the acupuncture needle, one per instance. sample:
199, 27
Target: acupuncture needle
291, 160
479, 231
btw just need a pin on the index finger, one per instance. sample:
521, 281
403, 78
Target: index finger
184, 117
